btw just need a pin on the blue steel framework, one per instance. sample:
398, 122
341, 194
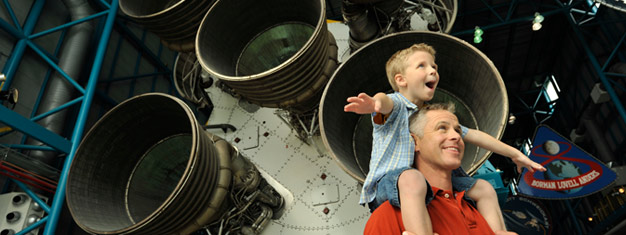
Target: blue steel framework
577, 26
610, 85
56, 142
580, 13
28, 126
24, 35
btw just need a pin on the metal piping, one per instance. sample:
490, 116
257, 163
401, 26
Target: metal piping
362, 27
618, 228
597, 136
370, 19
589, 125
59, 91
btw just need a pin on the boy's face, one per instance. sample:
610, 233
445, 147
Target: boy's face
420, 78
441, 146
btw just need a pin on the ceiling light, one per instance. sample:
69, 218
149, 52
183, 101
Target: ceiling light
10, 96
537, 21
478, 33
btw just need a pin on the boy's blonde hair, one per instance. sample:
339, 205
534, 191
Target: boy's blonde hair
397, 63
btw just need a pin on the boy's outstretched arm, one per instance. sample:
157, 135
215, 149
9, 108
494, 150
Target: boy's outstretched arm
486, 141
487, 204
364, 104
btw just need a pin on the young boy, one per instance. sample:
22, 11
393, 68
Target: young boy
412, 73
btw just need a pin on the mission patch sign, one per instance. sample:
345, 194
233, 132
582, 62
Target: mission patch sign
571, 172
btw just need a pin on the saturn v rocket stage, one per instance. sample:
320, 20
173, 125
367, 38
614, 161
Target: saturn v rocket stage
152, 167
277, 54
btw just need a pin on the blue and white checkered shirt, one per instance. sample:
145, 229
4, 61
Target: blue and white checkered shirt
392, 145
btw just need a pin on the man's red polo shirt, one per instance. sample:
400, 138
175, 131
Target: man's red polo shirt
449, 214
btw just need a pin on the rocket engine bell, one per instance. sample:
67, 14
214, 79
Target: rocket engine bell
175, 22
276, 54
148, 167
467, 78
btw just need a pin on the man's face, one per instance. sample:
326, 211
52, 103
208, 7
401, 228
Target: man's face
441, 146
420, 76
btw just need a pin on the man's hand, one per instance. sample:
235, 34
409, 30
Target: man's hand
410, 233
362, 104
502, 232
522, 161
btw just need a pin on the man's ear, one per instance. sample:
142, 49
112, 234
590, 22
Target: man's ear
400, 81
415, 142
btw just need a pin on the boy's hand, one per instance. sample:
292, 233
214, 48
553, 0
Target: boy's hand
522, 161
362, 104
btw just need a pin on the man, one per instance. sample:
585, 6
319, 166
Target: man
438, 150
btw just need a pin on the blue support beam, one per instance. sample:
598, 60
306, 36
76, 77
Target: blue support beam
53, 64
59, 196
18, 122
41, 203
134, 77
31, 147
493, 11
18, 51
33, 196
573, 217
57, 109
615, 51
11, 30
12, 14
65, 26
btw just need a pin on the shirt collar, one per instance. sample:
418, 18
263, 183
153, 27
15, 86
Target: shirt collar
406, 101
437, 191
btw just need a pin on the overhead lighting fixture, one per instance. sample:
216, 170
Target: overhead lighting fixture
10, 96
537, 21
478, 33
2, 79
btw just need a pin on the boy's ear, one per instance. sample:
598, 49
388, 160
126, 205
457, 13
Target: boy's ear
400, 81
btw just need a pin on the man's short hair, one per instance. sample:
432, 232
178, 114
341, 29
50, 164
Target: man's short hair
417, 120
398, 61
